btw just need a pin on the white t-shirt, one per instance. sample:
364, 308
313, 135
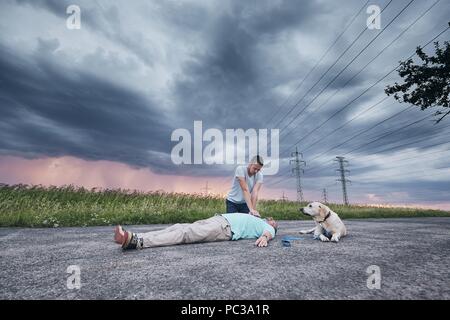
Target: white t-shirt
236, 194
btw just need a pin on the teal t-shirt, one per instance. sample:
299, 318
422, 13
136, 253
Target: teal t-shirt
247, 226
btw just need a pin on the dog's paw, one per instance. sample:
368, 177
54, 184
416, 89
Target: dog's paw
323, 238
303, 231
335, 239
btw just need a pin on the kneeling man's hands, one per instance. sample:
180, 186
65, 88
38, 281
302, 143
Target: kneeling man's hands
255, 213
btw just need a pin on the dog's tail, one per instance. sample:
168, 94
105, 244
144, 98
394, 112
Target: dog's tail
307, 231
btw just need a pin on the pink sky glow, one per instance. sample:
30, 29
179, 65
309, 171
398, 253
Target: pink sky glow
107, 174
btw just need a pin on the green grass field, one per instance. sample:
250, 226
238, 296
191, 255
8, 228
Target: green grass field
38, 206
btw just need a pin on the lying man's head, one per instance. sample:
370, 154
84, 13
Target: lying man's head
273, 223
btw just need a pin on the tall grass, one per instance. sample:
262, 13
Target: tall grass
39, 206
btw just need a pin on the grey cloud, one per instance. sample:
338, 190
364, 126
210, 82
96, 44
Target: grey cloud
104, 19
268, 17
228, 80
113, 123
47, 46
237, 55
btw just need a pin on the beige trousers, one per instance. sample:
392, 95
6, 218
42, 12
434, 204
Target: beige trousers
215, 228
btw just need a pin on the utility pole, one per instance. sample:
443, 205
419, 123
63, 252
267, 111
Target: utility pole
297, 163
206, 189
342, 179
324, 195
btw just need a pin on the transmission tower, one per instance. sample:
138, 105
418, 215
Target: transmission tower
283, 197
206, 189
343, 180
296, 162
325, 195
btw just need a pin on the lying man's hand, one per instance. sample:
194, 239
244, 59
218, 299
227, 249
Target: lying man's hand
262, 241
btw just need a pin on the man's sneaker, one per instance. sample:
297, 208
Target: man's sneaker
131, 241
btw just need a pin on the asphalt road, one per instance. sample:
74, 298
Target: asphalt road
413, 255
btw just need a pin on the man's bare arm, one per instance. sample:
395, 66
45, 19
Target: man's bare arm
254, 195
247, 196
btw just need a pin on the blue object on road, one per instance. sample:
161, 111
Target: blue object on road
286, 240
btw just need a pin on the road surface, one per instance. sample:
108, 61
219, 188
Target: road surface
412, 254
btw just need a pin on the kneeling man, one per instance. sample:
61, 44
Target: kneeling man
247, 182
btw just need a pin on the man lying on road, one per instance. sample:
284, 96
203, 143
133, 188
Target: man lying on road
221, 227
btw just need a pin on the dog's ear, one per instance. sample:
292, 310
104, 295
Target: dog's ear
322, 211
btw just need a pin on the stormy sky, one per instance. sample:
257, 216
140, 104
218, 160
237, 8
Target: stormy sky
115, 89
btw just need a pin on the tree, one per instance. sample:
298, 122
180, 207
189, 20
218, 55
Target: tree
426, 85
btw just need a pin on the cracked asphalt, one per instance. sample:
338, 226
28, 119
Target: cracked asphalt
413, 255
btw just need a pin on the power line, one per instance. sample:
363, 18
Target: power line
359, 133
421, 156
329, 68
365, 91
397, 166
378, 138
423, 46
408, 58
408, 144
417, 171
318, 62
367, 64
408, 28
350, 139
398, 147
348, 64
316, 167
280, 179
388, 134
403, 164
371, 181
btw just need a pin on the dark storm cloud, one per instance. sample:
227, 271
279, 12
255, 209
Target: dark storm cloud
103, 19
239, 60
268, 18
221, 82
367, 78
45, 109
228, 81
54, 6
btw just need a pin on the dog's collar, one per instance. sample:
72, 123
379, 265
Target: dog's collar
327, 216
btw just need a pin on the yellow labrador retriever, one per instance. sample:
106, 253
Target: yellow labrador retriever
328, 223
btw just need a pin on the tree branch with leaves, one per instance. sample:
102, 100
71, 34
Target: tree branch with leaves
426, 85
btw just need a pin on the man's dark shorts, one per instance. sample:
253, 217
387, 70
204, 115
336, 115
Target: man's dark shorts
236, 207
